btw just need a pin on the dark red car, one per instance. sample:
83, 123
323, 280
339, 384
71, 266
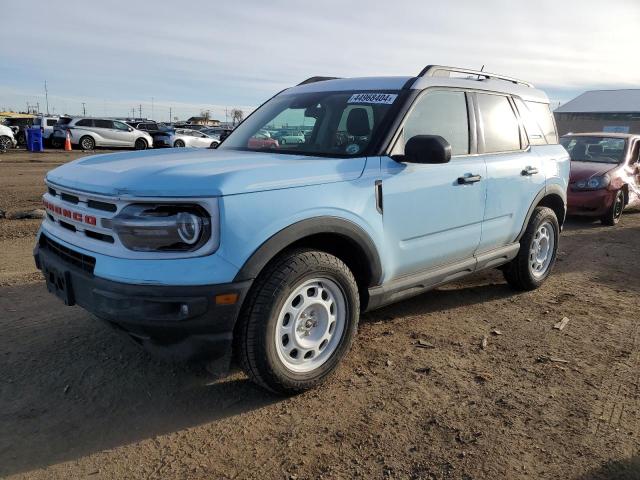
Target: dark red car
605, 174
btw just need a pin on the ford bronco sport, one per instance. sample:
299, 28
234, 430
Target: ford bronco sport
269, 253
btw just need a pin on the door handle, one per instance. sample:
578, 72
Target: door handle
469, 179
528, 171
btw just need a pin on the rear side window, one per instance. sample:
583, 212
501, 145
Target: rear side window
85, 122
444, 113
544, 117
534, 131
103, 123
500, 125
51, 122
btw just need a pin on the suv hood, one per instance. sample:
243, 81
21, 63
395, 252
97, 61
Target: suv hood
586, 170
199, 172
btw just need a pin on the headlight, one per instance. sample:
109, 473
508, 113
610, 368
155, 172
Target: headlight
594, 183
167, 228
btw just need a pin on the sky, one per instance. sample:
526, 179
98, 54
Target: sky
199, 55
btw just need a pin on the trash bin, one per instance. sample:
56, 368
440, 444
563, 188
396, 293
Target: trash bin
34, 140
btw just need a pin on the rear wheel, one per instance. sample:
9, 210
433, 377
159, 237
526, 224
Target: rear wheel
537, 254
87, 143
178, 144
141, 144
612, 217
214, 144
299, 321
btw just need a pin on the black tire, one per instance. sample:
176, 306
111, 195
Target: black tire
5, 143
87, 143
283, 141
178, 144
214, 144
518, 272
141, 144
612, 217
255, 334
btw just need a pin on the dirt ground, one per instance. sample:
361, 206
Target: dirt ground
79, 401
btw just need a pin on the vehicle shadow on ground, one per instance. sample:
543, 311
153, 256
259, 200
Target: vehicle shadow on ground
615, 470
70, 386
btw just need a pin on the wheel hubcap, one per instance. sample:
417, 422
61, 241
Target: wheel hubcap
542, 250
310, 325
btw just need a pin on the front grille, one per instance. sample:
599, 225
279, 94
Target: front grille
69, 198
84, 262
107, 207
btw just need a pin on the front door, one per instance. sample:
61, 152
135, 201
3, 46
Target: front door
433, 217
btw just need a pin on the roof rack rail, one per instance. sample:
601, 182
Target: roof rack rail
317, 79
442, 71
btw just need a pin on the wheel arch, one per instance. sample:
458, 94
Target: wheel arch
552, 197
342, 238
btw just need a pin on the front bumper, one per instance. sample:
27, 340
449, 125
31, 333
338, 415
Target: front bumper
593, 203
180, 323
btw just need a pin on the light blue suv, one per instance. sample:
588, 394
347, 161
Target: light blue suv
267, 252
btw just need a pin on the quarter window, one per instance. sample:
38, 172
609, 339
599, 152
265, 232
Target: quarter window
500, 125
543, 115
534, 132
444, 113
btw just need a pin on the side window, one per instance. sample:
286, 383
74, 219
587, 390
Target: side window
543, 115
51, 122
121, 126
444, 113
85, 122
103, 123
534, 132
37, 121
500, 125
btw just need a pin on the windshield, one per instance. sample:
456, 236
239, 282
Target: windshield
595, 149
317, 123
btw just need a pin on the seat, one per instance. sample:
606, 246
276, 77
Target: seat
358, 123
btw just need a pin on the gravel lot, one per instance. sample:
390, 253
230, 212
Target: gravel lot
79, 401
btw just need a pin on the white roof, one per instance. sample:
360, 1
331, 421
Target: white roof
596, 101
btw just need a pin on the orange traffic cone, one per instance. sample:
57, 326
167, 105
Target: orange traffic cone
67, 142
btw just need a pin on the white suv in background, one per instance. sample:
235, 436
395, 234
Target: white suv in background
89, 133
46, 124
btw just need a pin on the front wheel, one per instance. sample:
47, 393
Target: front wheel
537, 254
178, 144
299, 321
5, 143
612, 217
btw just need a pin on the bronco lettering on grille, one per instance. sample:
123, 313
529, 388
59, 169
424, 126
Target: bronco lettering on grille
77, 216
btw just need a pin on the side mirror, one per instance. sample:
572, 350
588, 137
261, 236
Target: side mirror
427, 149
130, 129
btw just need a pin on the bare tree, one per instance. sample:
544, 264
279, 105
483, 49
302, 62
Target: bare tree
206, 115
237, 115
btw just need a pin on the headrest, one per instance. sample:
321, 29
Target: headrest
358, 123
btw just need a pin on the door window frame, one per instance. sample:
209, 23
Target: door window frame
524, 140
396, 147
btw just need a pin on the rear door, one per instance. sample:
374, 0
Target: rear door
431, 216
514, 170
105, 133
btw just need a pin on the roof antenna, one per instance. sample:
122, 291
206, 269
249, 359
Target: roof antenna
482, 70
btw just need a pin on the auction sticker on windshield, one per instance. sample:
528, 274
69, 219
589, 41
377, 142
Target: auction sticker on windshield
378, 98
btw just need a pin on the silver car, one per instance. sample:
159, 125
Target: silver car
89, 133
7, 140
184, 137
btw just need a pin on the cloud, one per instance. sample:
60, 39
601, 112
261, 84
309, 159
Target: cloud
204, 54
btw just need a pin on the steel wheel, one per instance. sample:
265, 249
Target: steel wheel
310, 325
541, 251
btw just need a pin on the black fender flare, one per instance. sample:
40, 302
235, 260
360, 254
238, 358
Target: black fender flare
551, 189
306, 228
